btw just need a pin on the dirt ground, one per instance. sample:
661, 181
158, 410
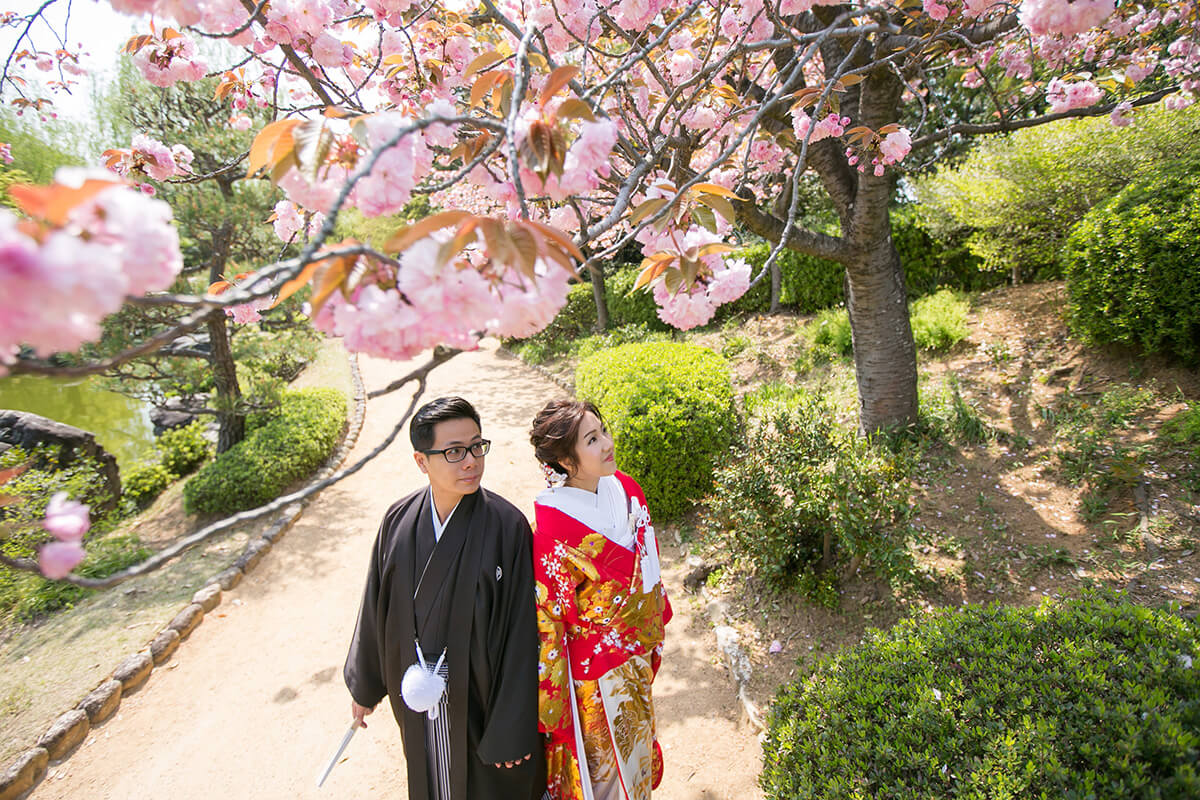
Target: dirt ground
253, 704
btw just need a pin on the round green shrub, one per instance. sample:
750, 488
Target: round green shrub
1131, 269
184, 448
146, 482
285, 448
1091, 698
670, 408
801, 483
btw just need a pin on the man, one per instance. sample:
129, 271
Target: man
451, 580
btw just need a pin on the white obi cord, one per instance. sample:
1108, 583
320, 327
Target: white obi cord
422, 686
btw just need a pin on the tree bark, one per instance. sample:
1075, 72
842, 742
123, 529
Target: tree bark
776, 286
885, 358
229, 393
597, 273
231, 421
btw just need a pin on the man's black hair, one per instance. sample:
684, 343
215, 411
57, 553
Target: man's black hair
420, 428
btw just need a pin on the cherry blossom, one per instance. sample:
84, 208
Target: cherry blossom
67, 520
6, 152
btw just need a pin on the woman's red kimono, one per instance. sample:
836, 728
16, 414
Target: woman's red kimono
601, 628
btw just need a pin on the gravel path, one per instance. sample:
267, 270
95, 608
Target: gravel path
253, 704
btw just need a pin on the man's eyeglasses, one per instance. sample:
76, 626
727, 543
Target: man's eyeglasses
455, 454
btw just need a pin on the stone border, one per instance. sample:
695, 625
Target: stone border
67, 732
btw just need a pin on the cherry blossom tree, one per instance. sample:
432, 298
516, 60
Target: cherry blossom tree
553, 133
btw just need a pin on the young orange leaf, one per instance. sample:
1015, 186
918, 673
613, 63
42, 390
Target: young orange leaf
556, 236
714, 188
263, 147
648, 209
52, 204
557, 80
406, 236
574, 108
488, 59
297, 283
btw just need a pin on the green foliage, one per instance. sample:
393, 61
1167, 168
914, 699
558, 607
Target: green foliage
803, 484
1132, 272
670, 408
1084, 440
39, 148
1091, 698
575, 320
1184, 427
828, 335
284, 448
627, 306
614, 337
807, 284
145, 482
931, 262
939, 320
184, 448
1019, 196
946, 415
25, 596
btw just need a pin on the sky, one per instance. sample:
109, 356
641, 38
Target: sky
92, 27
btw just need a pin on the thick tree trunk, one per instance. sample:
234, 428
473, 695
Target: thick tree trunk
231, 422
597, 273
229, 393
885, 359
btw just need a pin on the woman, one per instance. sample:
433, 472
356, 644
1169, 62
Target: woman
601, 612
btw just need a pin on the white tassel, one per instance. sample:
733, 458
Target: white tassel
422, 687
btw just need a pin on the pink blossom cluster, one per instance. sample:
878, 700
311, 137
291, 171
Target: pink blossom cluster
1064, 96
66, 520
246, 313
153, 159
6, 152
58, 284
165, 62
435, 302
693, 306
287, 221
388, 187
828, 126
1064, 17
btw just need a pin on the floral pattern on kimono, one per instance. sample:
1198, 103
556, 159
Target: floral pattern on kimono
601, 637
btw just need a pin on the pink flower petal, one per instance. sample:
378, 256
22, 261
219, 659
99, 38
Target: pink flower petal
57, 559
65, 518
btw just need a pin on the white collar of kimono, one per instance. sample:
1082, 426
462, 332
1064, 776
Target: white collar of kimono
438, 526
605, 511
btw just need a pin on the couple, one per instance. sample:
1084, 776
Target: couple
483, 635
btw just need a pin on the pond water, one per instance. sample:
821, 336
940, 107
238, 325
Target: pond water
121, 424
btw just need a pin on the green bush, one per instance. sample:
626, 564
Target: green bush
145, 482
939, 320
626, 306
931, 262
807, 283
829, 334
284, 448
1092, 698
802, 485
184, 448
1018, 196
1132, 274
670, 408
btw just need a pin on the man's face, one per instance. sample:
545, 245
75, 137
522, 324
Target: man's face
452, 480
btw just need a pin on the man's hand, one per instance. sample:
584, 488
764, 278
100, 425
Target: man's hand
511, 764
358, 712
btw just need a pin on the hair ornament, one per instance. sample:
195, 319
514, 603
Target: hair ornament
553, 476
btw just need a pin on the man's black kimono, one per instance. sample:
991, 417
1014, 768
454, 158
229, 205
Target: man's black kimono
476, 599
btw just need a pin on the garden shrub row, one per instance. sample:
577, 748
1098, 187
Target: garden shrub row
180, 451
670, 408
1093, 697
280, 448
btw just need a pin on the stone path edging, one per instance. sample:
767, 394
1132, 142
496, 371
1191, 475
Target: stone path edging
67, 732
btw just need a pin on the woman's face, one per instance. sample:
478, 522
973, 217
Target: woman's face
593, 452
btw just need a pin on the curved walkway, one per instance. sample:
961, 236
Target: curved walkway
253, 704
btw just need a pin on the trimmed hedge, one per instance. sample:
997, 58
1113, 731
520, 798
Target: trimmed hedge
1092, 698
670, 408
282, 449
625, 306
1131, 269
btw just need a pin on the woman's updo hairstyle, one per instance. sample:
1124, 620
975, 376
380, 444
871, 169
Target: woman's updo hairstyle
556, 429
